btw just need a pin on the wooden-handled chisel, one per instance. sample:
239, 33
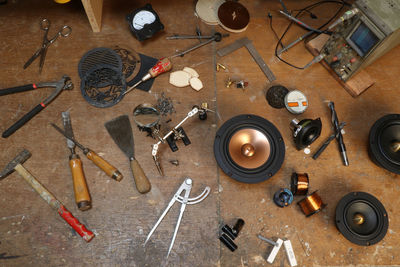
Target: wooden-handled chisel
109, 169
82, 196
121, 132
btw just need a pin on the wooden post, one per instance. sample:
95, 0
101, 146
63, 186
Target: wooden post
94, 10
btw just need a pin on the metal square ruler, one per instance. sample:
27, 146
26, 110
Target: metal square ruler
253, 52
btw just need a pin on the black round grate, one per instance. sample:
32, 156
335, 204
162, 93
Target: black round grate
103, 86
96, 56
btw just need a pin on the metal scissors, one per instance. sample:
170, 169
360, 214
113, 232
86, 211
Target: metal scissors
45, 25
186, 186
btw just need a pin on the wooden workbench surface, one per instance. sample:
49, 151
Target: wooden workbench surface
31, 233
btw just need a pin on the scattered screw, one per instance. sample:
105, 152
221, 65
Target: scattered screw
174, 162
269, 241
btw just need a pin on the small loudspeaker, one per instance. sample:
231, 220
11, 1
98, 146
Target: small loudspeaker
384, 142
249, 148
361, 218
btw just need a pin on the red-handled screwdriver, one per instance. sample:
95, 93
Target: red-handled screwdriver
163, 65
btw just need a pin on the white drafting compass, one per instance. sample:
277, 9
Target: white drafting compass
144, 22
186, 186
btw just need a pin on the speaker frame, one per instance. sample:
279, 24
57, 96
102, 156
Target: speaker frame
383, 220
233, 170
374, 149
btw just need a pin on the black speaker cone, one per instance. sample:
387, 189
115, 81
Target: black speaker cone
361, 218
384, 142
249, 148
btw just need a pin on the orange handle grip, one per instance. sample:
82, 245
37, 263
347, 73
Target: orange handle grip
82, 197
86, 234
163, 65
109, 169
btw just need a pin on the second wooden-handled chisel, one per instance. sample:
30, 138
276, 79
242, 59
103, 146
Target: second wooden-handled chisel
121, 132
109, 169
82, 196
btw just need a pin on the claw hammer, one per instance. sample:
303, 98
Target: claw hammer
16, 164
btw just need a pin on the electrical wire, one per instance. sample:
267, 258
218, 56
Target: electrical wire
306, 9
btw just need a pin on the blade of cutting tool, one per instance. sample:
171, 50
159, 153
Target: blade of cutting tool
68, 128
121, 132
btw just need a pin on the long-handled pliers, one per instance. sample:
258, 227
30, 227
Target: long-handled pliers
63, 84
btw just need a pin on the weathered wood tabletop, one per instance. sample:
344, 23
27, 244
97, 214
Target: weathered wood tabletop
31, 233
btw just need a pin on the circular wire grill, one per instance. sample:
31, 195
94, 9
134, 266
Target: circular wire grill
96, 56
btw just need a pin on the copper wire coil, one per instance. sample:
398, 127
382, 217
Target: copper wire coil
311, 204
299, 183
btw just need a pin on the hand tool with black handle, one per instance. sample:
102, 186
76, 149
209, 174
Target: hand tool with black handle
16, 164
63, 84
121, 132
81, 191
109, 169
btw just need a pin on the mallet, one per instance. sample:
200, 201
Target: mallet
16, 164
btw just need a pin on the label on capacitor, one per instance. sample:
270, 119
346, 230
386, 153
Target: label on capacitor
296, 102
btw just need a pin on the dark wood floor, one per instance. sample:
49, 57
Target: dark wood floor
31, 233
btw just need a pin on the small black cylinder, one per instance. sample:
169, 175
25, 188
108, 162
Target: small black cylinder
238, 227
228, 242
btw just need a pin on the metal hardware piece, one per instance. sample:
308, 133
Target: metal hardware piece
269, 241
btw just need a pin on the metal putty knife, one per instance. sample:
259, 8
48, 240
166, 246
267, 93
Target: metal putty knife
121, 132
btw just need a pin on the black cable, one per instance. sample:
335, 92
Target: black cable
306, 9
276, 35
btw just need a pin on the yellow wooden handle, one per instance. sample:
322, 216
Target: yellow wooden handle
82, 197
142, 182
109, 169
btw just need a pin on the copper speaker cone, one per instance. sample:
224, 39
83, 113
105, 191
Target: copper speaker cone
249, 148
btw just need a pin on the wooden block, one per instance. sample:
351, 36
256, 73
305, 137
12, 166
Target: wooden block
94, 10
356, 84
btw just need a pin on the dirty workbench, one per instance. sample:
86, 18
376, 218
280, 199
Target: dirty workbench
31, 233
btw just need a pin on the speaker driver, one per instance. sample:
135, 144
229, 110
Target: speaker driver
249, 148
384, 142
361, 218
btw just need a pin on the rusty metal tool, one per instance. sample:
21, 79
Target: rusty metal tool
185, 188
109, 169
121, 132
63, 84
81, 191
217, 37
16, 164
162, 66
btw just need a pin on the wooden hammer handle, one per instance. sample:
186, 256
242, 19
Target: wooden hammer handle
109, 169
54, 203
82, 197
142, 182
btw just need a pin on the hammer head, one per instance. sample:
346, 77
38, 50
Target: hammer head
19, 159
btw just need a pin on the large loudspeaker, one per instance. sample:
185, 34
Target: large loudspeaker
249, 148
361, 218
384, 142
